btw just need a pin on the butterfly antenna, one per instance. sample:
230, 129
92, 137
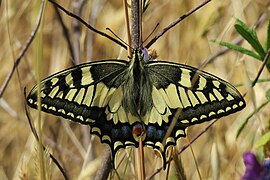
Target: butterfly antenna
151, 33
118, 38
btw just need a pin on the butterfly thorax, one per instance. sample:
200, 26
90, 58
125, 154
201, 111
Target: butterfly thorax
137, 87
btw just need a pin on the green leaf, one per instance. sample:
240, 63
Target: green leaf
250, 36
238, 48
249, 117
259, 81
262, 140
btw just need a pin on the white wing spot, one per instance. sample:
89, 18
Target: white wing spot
122, 115
202, 83
69, 80
161, 147
42, 94
192, 98
52, 108
194, 119
44, 105
185, 78
30, 101
201, 97
100, 95
116, 100
235, 106
229, 97
88, 96
218, 95
108, 96
220, 111
80, 96
54, 92
216, 84
106, 138
61, 111
203, 117
158, 101
86, 76
95, 129
80, 118
60, 94
70, 94
155, 117
129, 143
54, 81
174, 99
179, 132
117, 143
165, 97
170, 139
212, 97
184, 121
89, 120
70, 114
228, 109
149, 143
241, 103
184, 97
212, 113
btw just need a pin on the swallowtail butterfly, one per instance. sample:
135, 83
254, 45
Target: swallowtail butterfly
119, 98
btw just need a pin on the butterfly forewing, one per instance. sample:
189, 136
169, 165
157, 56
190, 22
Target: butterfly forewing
200, 95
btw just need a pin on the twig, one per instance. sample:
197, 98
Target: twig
141, 158
66, 34
135, 24
23, 51
104, 171
87, 25
97, 4
175, 23
266, 58
77, 8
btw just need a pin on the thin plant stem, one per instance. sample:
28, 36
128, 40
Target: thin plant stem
161, 33
87, 25
65, 33
193, 155
23, 51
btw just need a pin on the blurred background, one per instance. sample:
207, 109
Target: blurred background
218, 152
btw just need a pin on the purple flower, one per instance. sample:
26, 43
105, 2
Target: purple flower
253, 167
254, 170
